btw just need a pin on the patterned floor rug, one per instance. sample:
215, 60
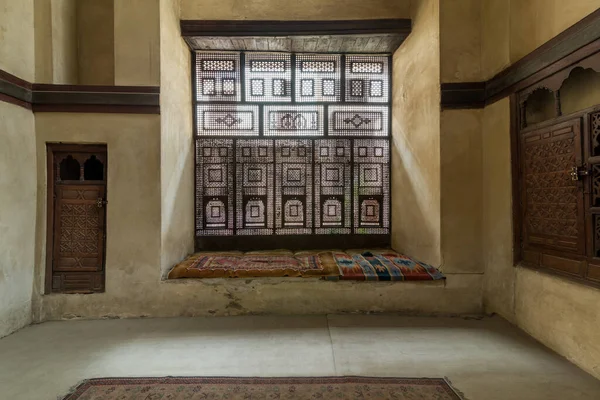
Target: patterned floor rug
264, 388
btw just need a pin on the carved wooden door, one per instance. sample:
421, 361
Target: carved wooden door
79, 205
552, 197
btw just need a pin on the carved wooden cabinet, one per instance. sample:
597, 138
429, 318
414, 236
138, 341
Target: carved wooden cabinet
559, 172
553, 201
76, 218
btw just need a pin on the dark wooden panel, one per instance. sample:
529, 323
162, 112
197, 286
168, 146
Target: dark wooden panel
532, 257
593, 272
99, 108
553, 204
78, 228
297, 242
15, 90
463, 95
78, 282
293, 28
76, 215
43, 87
362, 44
79, 98
562, 264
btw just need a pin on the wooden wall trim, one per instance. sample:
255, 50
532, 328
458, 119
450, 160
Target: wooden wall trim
569, 47
463, 95
293, 28
79, 98
15, 90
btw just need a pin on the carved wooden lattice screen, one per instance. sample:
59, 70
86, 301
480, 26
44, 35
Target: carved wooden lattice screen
292, 150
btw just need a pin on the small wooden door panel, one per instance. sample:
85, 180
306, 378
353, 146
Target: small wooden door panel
553, 203
76, 218
79, 228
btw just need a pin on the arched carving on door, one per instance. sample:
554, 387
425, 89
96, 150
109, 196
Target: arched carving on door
93, 169
69, 169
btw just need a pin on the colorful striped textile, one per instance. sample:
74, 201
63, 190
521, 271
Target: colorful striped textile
383, 265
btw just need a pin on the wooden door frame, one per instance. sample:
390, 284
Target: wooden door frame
51, 148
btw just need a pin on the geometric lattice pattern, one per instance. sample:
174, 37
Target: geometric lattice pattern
293, 186
333, 186
318, 77
595, 130
78, 222
268, 77
367, 79
218, 76
353, 120
214, 187
551, 196
227, 120
292, 144
79, 229
371, 186
290, 186
291, 120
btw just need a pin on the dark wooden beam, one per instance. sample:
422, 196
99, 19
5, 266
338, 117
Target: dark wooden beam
560, 47
578, 42
79, 98
293, 28
463, 95
15, 90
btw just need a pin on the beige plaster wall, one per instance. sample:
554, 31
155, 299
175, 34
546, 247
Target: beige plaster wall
495, 33
416, 138
221, 297
499, 279
177, 151
95, 42
17, 38
460, 40
460, 140
511, 29
133, 194
534, 22
137, 42
461, 191
43, 41
17, 216
294, 10
64, 41
17, 179
56, 41
561, 315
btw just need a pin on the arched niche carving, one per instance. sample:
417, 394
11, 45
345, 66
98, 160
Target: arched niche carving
93, 169
539, 106
580, 90
572, 80
69, 169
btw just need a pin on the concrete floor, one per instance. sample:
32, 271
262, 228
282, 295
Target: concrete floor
486, 359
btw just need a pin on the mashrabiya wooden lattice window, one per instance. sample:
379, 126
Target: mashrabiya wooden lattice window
292, 144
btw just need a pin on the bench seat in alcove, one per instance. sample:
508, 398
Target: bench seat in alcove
360, 265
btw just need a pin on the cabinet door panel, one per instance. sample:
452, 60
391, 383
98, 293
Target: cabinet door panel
553, 203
